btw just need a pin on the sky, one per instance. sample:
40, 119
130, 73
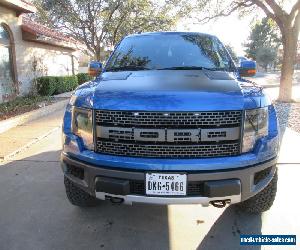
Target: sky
230, 30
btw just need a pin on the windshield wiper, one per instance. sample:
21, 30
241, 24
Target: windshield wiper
129, 67
191, 68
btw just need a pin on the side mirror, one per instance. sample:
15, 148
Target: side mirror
247, 68
94, 68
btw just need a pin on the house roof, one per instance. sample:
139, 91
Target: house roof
37, 32
20, 6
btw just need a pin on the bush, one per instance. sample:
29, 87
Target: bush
46, 85
83, 77
65, 84
49, 85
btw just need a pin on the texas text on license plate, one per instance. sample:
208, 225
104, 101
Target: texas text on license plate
165, 184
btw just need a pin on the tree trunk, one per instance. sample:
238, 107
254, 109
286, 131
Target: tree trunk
287, 69
98, 56
98, 52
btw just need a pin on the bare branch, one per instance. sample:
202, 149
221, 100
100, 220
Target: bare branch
114, 37
270, 14
294, 11
276, 8
297, 24
235, 6
295, 8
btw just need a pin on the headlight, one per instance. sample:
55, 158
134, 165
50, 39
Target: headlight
255, 127
82, 126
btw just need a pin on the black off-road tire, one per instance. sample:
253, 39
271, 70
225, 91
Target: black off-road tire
77, 196
262, 201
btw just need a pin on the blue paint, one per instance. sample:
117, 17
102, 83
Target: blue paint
118, 94
265, 149
171, 90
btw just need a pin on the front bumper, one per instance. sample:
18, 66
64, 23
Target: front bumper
236, 184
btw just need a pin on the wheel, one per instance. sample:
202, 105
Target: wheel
262, 201
77, 196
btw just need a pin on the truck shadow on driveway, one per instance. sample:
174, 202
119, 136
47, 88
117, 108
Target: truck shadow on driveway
35, 214
225, 232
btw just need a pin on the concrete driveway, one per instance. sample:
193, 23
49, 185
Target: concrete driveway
270, 79
35, 213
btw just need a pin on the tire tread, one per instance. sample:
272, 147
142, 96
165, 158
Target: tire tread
77, 196
262, 201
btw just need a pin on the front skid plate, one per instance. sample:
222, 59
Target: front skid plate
204, 201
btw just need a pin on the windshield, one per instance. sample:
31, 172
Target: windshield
170, 51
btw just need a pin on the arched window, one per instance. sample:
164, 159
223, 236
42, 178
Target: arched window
7, 79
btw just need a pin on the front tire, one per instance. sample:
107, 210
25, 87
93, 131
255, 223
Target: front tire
77, 196
262, 201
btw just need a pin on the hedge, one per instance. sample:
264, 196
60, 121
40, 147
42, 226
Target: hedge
65, 84
50, 85
83, 77
46, 85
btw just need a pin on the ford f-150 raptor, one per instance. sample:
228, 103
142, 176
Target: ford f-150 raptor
170, 119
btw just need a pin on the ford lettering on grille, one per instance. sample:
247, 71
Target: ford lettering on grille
168, 134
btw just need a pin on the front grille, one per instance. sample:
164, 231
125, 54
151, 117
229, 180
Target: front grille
168, 119
168, 134
168, 150
193, 188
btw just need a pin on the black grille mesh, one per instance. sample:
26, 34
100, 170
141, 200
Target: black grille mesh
167, 150
168, 119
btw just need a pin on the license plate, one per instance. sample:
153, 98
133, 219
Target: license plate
165, 184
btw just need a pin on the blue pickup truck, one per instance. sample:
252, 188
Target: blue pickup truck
170, 120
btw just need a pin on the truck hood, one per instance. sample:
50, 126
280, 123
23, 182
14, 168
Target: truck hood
170, 90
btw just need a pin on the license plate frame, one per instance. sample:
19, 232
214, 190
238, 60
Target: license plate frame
166, 177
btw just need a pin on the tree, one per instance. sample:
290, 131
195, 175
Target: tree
288, 22
102, 23
264, 34
265, 56
232, 52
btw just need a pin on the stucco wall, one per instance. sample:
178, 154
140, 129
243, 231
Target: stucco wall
36, 59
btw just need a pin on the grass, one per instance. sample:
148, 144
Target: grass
22, 105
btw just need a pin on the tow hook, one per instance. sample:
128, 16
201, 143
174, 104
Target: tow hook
220, 203
114, 200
